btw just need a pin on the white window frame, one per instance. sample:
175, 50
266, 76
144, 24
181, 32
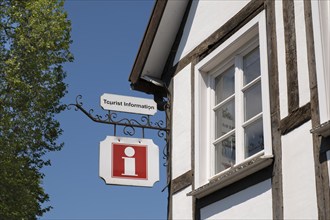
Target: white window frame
204, 128
237, 61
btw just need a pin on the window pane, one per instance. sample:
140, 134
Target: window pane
225, 118
254, 138
225, 154
252, 101
225, 85
251, 66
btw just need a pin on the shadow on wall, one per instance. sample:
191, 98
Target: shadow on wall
252, 198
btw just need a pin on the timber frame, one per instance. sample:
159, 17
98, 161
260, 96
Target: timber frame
280, 126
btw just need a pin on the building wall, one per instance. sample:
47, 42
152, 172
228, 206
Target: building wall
297, 146
299, 187
181, 129
252, 203
296, 185
204, 18
182, 205
321, 27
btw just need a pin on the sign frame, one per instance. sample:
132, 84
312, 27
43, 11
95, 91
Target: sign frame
128, 104
106, 166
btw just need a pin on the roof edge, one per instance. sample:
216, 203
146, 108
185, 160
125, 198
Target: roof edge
147, 40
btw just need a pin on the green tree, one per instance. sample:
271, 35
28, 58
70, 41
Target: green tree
34, 44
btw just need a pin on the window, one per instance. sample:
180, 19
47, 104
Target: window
232, 113
237, 109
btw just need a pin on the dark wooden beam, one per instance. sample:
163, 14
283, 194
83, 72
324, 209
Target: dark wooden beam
149, 88
277, 179
182, 182
169, 123
295, 119
193, 144
291, 54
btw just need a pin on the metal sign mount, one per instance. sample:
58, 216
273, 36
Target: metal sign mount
129, 125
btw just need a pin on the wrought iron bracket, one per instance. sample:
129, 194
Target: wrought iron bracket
129, 125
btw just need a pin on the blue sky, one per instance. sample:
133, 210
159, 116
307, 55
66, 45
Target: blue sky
106, 37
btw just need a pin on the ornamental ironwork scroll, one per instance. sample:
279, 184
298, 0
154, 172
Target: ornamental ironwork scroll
129, 125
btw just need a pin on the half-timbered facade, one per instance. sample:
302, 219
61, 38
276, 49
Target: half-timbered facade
248, 86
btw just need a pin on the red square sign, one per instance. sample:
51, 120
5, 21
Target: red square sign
129, 161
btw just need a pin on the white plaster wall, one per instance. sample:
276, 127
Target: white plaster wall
328, 157
252, 203
181, 130
299, 189
283, 91
182, 205
205, 17
302, 62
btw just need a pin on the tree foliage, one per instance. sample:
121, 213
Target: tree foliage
34, 44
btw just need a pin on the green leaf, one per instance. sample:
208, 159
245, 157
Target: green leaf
34, 45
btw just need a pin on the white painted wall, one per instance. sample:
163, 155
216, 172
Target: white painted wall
182, 205
206, 17
283, 89
302, 62
181, 129
299, 189
328, 158
252, 203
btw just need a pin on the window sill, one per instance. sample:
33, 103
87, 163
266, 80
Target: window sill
232, 175
322, 129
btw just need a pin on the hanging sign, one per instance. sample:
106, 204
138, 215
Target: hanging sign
128, 104
129, 161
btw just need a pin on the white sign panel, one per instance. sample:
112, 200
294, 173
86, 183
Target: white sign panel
128, 104
129, 161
